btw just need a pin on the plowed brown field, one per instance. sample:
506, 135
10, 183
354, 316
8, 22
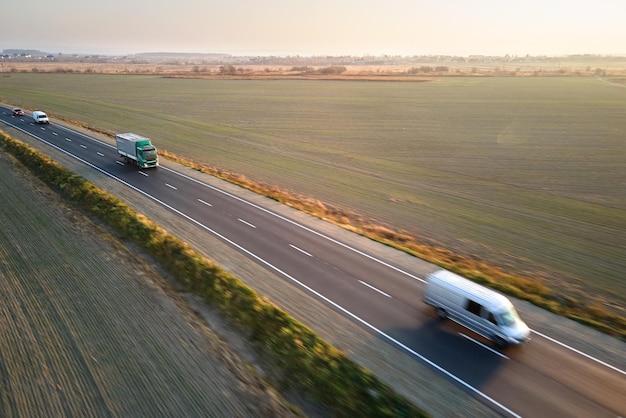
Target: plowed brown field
89, 330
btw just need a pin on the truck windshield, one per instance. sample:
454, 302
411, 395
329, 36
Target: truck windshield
149, 153
508, 318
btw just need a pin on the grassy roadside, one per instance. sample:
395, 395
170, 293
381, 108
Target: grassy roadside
301, 358
532, 290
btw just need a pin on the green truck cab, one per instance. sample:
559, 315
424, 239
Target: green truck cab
137, 149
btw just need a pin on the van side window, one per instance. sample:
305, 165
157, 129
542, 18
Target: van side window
488, 315
473, 307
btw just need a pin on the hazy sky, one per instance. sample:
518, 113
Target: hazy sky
320, 27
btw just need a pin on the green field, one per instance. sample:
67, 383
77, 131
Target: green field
529, 173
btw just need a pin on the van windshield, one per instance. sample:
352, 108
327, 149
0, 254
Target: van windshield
508, 318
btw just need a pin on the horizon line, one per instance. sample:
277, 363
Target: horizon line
303, 55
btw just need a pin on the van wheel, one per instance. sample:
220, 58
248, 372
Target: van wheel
499, 341
441, 313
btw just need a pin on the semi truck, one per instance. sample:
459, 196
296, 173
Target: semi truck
137, 149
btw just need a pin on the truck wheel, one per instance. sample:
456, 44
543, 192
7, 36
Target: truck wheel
441, 313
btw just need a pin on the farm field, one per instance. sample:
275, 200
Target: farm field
89, 330
527, 173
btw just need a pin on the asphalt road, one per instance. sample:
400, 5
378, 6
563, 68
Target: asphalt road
547, 377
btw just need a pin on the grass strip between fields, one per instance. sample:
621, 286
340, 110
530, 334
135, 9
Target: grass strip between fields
302, 360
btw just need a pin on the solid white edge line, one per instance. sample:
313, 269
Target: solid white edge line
579, 352
373, 288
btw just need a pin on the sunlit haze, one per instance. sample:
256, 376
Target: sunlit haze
323, 27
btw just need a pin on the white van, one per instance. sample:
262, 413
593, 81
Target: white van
40, 117
475, 307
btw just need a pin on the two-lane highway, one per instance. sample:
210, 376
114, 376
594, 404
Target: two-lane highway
546, 377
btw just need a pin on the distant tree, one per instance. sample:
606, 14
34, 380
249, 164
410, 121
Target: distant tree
228, 69
334, 69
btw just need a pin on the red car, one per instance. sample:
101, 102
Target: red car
18, 112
